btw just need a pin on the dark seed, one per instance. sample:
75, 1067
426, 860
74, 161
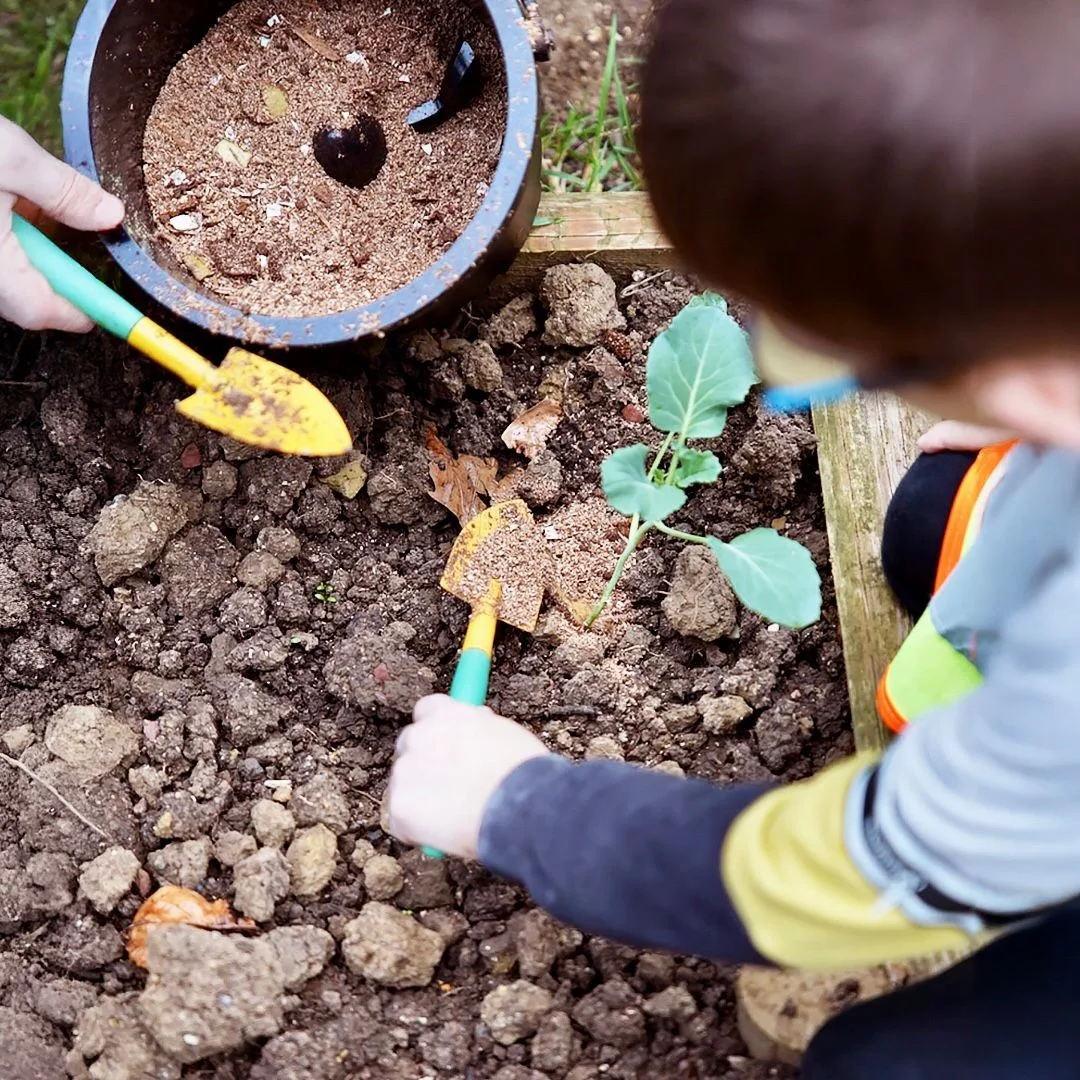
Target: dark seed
353, 156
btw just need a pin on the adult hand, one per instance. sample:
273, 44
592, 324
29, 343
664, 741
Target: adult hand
36, 185
450, 761
955, 435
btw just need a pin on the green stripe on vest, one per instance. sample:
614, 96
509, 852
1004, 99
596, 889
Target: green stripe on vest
928, 673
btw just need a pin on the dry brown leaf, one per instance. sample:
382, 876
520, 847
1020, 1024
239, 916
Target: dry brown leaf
173, 905
529, 433
312, 41
200, 266
276, 101
460, 482
233, 154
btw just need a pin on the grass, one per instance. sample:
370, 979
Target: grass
593, 149
33, 43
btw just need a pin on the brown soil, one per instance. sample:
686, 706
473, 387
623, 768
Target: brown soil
241, 682
231, 151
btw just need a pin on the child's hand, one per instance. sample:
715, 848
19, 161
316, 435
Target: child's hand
954, 435
450, 761
33, 183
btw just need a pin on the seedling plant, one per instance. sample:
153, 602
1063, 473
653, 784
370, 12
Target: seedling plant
698, 369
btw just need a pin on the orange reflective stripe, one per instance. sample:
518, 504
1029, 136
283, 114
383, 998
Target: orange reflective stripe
889, 713
967, 499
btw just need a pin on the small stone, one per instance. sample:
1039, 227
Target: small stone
390, 948
480, 367
605, 748
279, 542
610, 1014
184, 863
303, 952
274, 825
581, 303
106, 880
243, 612
513, 324
133, 530
232, 847
554, 1043
722, 715
362, 854
147, 783
680, 718
113, 1037
19, 739
219, 480
282, 793
449, 924
322, 800
700, 603
61, 1000
260, 570
514, 1012
312, 859
383, 877
674, 1003
259, 882
669, 768
91, 740
537, 943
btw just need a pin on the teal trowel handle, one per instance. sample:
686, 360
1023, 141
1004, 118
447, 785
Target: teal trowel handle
473, 671
75, 283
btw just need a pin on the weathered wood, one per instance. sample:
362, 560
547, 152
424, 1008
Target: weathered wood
617, 229
865, 446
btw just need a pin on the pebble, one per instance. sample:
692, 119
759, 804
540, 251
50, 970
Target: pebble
722, 715
390, 948
383, 877
322, 801
259, 882
260, 570
219, 480
106, 880
91, 740
232, 847
303, 951
604, 748
312, 858
274, 825
282, 543
185, 863
514, 1012
362, 854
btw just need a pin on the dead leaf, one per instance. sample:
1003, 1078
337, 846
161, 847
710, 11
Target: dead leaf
173, 905
529, 433
200, 266
276, 101
315, 43
348, 481
460, 482
233, 154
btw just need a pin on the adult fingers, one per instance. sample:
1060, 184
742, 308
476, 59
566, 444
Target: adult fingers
32, 173
27, 299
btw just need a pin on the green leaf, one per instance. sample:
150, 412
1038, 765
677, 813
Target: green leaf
771, 575
697, 368
709, 299
630, 491
695, 467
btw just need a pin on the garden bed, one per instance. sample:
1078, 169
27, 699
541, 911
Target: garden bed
263, 636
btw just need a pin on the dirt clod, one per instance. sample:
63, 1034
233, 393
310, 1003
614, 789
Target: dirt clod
514, 1012
273, 823
112, 1041
391, 948
383, 877
312, 858
321, 801
104, 881
480, 367
260, 881
303, 952
91, 741
581, 305
184, 863
611, 1014
208, 992
700, 603
513, 324
722, 715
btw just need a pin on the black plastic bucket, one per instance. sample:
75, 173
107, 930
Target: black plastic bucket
121, 55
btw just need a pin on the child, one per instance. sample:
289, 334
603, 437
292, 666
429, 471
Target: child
893, 186
34, 184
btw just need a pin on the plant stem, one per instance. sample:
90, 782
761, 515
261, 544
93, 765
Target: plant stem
690, 538
665, 446
635, 538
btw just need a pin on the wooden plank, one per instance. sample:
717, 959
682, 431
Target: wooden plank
618, 229
865, 445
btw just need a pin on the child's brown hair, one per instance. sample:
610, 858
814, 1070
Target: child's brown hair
899, 176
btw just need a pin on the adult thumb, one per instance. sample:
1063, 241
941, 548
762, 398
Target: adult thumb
70, 198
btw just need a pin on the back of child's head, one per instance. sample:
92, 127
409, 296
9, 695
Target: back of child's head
900, 176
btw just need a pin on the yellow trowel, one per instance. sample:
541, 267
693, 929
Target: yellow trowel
250, 399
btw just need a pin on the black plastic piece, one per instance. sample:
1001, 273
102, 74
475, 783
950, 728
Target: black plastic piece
121, 54
464, 79
353, 156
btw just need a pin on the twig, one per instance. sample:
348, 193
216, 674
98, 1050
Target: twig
637, 286
28, 384
588, 711
56, 795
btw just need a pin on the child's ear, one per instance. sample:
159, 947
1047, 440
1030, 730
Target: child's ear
1037, 397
